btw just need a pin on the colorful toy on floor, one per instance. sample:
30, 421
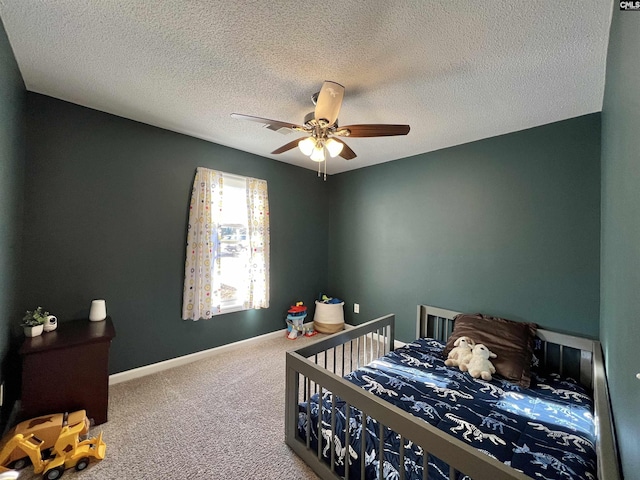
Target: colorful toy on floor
59, 434
295, 322
309, 331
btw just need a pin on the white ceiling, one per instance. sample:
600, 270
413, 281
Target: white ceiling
456, 71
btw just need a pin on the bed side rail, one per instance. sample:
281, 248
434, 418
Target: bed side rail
607, 451
350, 349
375, 327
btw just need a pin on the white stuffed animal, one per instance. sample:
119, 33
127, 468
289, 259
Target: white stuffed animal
480, 365
460, 354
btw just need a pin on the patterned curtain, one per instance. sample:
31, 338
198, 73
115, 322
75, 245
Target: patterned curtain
201, 298
258, 236
204, 292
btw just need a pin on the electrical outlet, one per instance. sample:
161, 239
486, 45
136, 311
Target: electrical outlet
356, 308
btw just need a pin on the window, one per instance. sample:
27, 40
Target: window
227, 261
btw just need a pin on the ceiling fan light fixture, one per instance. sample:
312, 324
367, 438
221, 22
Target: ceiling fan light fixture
307, 145
333, 147
321, 125
318, 154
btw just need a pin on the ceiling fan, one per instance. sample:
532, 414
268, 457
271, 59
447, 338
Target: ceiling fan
321, 128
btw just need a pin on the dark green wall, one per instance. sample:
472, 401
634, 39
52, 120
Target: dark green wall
12, 111
620, 277
106, 209
508, 225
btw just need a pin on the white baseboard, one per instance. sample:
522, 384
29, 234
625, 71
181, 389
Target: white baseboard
184, 360
193, 357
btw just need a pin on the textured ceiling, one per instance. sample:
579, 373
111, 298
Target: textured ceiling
455, 71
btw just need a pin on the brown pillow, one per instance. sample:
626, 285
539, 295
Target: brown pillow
511, 341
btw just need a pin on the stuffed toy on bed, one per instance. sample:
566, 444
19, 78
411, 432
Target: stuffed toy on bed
480, 365
461, 353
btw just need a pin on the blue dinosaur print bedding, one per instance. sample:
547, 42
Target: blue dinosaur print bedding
546, 431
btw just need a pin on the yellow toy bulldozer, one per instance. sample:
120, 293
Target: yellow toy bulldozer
58, 434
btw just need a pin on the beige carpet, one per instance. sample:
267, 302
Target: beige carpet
217, 418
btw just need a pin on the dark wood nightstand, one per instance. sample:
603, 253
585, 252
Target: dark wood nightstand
67, 370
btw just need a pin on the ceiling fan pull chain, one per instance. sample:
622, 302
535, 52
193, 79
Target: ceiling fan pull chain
325, 170
318, 169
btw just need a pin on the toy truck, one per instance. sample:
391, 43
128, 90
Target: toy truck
52, 444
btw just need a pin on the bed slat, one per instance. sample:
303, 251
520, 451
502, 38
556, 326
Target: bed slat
380, 450
401, 458
362, 445
453, 473
347, 442
308, 400
333, 433
425, 464
319, 432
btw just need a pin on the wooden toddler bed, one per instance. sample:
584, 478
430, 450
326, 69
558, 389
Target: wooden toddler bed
362, 427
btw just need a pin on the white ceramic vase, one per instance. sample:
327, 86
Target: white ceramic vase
33, 331
98, 311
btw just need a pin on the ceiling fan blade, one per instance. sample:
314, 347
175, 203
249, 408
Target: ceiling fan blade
274, 125
288, 146
346, 152
372, 130
329, 103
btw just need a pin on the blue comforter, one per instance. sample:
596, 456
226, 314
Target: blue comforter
546, 431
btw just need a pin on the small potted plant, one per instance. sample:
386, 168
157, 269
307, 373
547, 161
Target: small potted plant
33, 322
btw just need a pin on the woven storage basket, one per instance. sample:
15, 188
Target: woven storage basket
329, 317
